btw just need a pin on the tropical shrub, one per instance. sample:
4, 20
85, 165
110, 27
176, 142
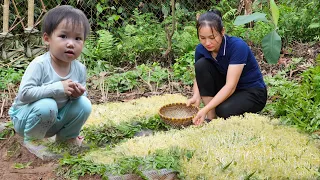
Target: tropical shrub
297, 103
299, 20
183, 69
271, 43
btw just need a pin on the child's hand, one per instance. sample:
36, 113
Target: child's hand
78, 90
68, 86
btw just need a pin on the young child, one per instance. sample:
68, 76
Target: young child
52, 96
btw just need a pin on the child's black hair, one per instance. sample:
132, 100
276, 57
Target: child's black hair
212, 18
74, 16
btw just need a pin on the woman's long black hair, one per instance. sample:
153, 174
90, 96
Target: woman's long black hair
213, 19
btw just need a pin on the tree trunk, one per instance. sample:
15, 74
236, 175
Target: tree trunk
170, 33
248, 9
30, 14
5, 29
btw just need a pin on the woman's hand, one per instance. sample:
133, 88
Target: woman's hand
195, 100
78, 90
199, 118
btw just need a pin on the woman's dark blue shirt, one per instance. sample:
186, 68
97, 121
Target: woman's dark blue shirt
234, 50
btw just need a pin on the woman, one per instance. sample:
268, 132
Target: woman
228, 78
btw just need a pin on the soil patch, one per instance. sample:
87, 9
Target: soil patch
14, 156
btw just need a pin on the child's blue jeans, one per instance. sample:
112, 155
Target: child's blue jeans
42, 118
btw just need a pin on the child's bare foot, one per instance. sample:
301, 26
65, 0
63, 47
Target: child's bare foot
77, 141
74, 142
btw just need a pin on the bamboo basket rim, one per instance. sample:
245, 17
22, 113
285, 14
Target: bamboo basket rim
176, 121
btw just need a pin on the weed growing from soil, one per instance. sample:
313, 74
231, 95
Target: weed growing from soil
7, 132
21, 165
76, 166
111, 135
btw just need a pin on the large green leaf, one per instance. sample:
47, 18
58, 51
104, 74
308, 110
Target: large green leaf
271, 46
274, 12
314, 25
248, 18
165, 10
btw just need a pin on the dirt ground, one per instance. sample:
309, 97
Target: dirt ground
11, 151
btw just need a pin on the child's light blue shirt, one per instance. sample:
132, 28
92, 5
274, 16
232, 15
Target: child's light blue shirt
41, 81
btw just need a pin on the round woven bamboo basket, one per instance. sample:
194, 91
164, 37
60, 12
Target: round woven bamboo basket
178, 114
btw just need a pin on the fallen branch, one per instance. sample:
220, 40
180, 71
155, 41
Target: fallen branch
2, 106
24, 172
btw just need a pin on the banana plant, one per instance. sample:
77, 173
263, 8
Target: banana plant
271, 43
